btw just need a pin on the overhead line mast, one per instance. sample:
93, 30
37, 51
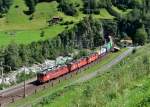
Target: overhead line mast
24, 81
2, 72
1, 66
89, 7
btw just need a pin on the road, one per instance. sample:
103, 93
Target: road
14, 91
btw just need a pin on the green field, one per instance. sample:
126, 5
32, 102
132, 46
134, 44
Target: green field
51, 90
125, 85
17, 27
28, 36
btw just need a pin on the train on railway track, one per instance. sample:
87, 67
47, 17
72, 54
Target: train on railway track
53, 73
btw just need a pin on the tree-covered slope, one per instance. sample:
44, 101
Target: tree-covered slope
18, 20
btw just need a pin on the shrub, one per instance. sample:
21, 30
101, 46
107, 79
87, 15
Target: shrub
97, 11
67, 23
134, 51
146, 60
140, 36
82, 53
77, 5
67, 8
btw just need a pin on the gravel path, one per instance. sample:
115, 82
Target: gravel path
104, 68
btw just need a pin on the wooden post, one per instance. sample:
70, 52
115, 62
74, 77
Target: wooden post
52, 84
35, 91
44, 87
24, 82
13, 99
76, 73
65, 78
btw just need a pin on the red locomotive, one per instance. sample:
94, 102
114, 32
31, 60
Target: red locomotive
50, 74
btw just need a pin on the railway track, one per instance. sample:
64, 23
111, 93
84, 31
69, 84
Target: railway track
91, 75
16, 93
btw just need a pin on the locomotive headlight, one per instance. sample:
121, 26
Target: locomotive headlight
47, 76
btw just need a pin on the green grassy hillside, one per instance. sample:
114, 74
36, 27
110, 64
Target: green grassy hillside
17, 27
125, 85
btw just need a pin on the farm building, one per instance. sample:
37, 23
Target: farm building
55, 20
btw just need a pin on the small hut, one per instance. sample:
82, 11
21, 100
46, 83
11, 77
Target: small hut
55, 20
126, 42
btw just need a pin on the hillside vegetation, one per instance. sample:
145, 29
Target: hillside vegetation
125, 85
16, 24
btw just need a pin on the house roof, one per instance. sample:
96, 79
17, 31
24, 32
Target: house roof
128, 41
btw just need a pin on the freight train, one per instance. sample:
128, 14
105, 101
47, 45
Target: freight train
53, 73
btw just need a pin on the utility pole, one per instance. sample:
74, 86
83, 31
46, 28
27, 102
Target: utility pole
24, 81
89, 7
62, 1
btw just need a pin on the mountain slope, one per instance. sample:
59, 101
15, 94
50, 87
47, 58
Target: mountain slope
16, 26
